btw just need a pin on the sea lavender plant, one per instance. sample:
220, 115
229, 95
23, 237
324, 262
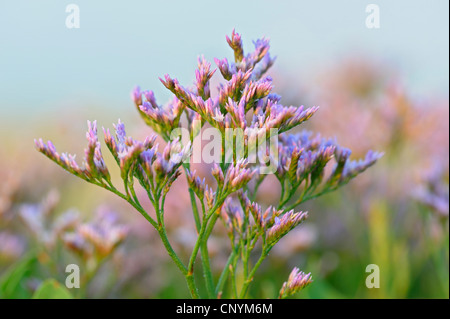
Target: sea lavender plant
93, 241
245, 105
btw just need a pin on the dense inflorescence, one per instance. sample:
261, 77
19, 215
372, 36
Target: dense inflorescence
246, 105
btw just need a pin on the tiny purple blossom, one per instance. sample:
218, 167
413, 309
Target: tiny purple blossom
235, 42
224, 68
353, 168
283, 225
136, 95
202, 76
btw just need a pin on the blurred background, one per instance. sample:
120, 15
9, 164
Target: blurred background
383, 88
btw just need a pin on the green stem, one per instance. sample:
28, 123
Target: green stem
224, 274
245, 265
186, 167
137, 206
307, 198
291, 193
162, 234
282, 191
255, 191
190, 273
205, 257
204, 247
233, 267
249, 279
207, 273
201, 237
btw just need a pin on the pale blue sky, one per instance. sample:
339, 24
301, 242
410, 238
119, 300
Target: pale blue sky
43, 64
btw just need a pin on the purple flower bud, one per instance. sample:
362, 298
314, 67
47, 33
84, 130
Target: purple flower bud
218, 175
224, 68
353, 168
283, 225
297, 281
120, 134
235, 42
94, 162
342, 154
265, 64
136, 96
210, 197
128, 156
277, 221
261, 48
109, 139
150, 97
233, 217
196, 184
169, 82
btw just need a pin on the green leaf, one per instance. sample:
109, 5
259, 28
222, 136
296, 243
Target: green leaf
11, 282
51, 289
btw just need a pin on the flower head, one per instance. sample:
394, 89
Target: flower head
94, 168
297, 281
98, 238
237, 175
